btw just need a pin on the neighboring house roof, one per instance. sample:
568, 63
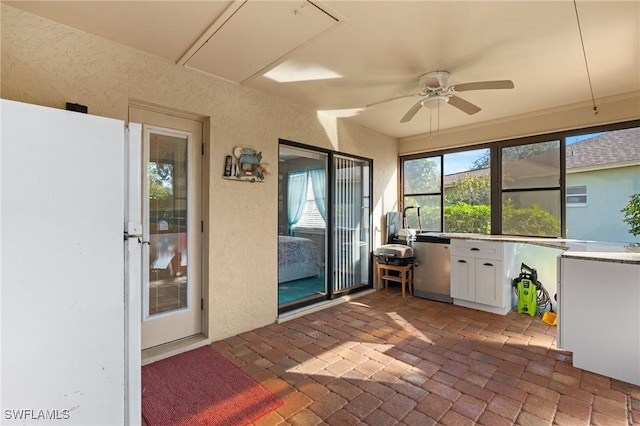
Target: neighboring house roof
454, 178
620, 146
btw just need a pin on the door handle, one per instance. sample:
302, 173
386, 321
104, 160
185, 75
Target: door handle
127, 236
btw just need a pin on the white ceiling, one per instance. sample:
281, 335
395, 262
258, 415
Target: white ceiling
340, 56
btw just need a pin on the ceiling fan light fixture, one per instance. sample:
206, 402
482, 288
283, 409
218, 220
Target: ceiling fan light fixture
435, 102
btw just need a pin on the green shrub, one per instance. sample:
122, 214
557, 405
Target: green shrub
463, 217
529, 221
632, 214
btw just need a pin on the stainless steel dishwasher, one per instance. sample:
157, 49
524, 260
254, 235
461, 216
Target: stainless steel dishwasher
432, 271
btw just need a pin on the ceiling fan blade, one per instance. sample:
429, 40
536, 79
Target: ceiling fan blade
462, 105
412, 111
482, 85
393, 99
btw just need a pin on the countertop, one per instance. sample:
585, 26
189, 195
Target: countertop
574, 249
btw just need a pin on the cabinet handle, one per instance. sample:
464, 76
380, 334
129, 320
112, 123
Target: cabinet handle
462, 261
488, 264
475, 249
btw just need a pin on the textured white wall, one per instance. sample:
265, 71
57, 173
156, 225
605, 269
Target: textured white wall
46, 63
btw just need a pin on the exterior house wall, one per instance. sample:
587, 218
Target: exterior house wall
607, 193
49, 64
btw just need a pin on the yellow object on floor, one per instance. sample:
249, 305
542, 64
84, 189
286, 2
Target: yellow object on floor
550, 318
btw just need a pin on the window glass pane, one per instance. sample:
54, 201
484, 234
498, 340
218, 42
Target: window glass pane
577, 196
576, 190
429, 212
607, 166
422, 176
577, 199
532, 213
312, 216
467, 192
531, 166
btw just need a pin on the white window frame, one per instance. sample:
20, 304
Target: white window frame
577, 194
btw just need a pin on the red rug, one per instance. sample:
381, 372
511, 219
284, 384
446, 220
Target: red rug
201, 387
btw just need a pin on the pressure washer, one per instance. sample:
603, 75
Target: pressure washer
532, 297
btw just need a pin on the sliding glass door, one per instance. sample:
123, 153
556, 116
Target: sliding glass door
324, 241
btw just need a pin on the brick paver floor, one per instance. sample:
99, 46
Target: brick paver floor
384, 360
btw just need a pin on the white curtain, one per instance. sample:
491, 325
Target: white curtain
296, 197
318, 183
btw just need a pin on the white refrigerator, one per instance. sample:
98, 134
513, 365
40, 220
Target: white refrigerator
70, 288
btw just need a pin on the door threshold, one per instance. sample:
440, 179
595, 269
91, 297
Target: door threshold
319, 306
170, 349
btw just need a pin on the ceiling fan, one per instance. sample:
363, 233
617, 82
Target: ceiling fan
435, 92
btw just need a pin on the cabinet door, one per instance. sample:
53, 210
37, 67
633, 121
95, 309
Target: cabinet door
463, 278
488, 282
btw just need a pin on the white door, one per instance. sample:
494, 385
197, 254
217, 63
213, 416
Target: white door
172, 226
64, 350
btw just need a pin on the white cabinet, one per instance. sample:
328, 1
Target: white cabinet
599, 316
479, 278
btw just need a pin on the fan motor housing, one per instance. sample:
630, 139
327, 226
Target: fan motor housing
434, 81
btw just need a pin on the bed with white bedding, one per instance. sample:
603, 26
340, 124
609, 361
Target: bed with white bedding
297, 258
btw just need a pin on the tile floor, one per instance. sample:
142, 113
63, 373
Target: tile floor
383, 360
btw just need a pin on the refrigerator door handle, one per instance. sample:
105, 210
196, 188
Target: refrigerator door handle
134, 230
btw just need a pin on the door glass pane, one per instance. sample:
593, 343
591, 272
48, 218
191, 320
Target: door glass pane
467, 191
352, 245
167, 171
302, 215
532, 213
534, 165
